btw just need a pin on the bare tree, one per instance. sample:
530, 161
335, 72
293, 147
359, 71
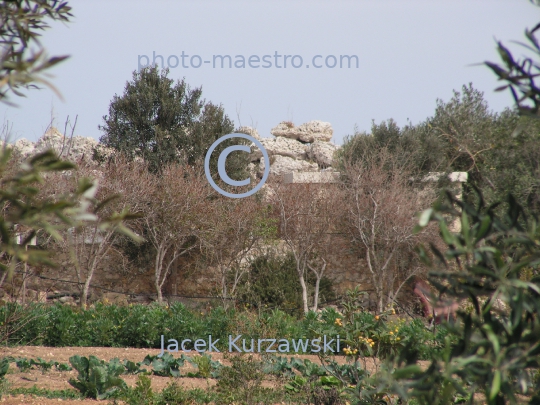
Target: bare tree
380, 216
89, 242
306, 220
234, 228
173, 203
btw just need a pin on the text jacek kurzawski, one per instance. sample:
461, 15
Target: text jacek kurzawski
240, 345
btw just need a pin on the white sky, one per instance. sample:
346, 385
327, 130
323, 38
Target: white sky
410, 52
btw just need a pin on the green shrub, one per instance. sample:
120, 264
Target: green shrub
141, 394
67, 327
241, 382
206, 367
142, 326
4, 367
273, 283
23, 324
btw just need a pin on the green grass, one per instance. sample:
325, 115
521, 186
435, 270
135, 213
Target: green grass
46, 393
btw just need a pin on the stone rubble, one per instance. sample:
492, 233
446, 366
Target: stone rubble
309, 132
283, 164
249, 131
281, 147
303, 148
306, 148
73, 149
322, 153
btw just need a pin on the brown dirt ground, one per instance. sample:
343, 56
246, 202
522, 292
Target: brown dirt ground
56, 380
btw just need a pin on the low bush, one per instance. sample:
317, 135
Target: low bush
4, 367
272, 282
206, 367
143, 394
142, 326
241, 382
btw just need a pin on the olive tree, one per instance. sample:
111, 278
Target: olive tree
23, 59
164, 122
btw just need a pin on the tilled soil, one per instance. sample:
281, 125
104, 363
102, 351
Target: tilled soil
56, 380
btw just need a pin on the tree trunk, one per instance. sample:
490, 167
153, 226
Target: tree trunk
316, 295
159, 293
86, 286
304, 292
84, 295
318, 275
4, 275
158, 269
25, 275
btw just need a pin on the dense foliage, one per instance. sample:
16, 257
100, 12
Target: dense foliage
143, 325
165, 122
272, 282
499, 151
520, 75
492, 350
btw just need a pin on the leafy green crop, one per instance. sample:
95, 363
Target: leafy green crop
296, 384
166, 365
279, 366
23, 364
133, 368
97, 379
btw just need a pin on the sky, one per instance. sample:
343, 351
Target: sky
410, 53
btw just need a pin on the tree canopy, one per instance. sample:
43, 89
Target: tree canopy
163, 122
498, 150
